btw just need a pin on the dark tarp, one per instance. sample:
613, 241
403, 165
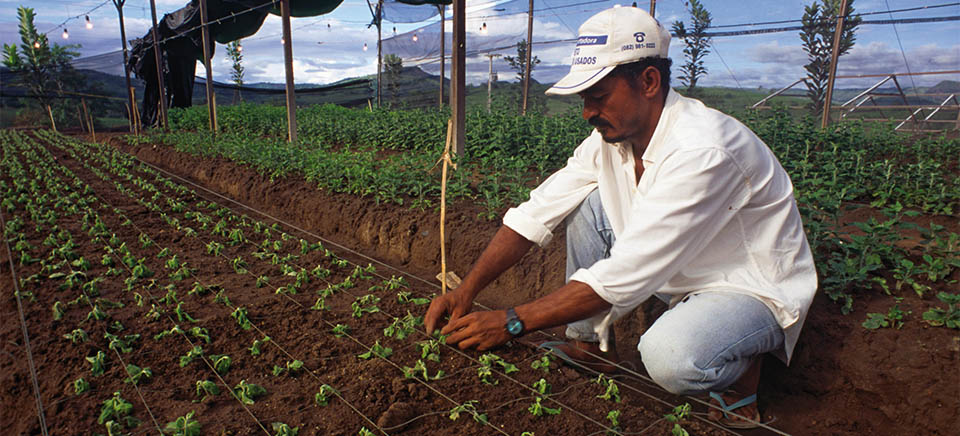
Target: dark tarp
231, 20
181, 47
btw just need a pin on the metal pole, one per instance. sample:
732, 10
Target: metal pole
288, 65
833, 65
126, 70
443, 43
157, 58
653, 7
379, 48
458, 78
207, 44
526, 70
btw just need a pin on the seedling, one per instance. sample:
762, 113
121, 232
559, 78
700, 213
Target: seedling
403, 327
122, 345
430, 349
485, 371
239, 265
323, 397
117, 409
98, 363
420, 369
194, 353
291, 368
248, 392
206, 388
221, 298
282, 429
200, 332
58, 311
80, 386
77, 335
370, 300
184, 426
182, 315
257, 343
263, 281
543, 363
893, 318
221, 363
240, 314
677, 416
404, 297
376, 350
612, 392
136, 373
340, 329
949, 317
197, 289
364, 432
542, 386
614, 417
214, 248
321, 304
468, 407
537, 409
175, 329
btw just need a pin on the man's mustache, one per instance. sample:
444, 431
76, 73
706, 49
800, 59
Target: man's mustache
598, 122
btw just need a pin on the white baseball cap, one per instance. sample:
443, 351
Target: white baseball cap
610, 38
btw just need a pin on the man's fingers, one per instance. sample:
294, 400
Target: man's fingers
435, 311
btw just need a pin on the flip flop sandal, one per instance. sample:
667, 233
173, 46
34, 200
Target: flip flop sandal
727, 420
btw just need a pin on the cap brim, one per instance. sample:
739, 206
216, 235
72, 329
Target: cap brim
577, 81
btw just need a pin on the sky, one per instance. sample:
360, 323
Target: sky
329, 48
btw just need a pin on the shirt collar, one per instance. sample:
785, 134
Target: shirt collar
655, 149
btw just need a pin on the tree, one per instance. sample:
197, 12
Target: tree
235, 52
697, 44
819, 24
40, 68
519, 63
393, 66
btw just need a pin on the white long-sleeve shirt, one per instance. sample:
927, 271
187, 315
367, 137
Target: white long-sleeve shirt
713, 211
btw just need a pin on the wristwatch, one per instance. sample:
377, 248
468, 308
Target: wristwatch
514, 326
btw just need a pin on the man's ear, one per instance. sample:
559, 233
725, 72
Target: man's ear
650, 82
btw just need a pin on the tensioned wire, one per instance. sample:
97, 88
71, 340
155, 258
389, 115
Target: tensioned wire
434, 285
183, 334
585, 417
312, 373
23, 325
70, 173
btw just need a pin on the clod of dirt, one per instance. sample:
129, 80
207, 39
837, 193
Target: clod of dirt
395, 418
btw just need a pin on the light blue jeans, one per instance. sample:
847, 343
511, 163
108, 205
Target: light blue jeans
704, 343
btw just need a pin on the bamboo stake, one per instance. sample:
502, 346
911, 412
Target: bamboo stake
443, 209
88, 119
53, 123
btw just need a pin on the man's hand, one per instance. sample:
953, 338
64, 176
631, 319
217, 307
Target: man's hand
480, 330
453, 303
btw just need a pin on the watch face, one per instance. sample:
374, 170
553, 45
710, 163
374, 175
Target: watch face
514, 326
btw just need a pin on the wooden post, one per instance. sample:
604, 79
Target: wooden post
443, 52
833, 65
134, 113
653, 7
88, 119
458, 78
527, 69
207, 44
126, 70
53, 124
158, 58
379, 48
288, 64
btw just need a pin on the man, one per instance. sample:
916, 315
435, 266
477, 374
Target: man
666, 198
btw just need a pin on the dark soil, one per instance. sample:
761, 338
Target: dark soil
844, 379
